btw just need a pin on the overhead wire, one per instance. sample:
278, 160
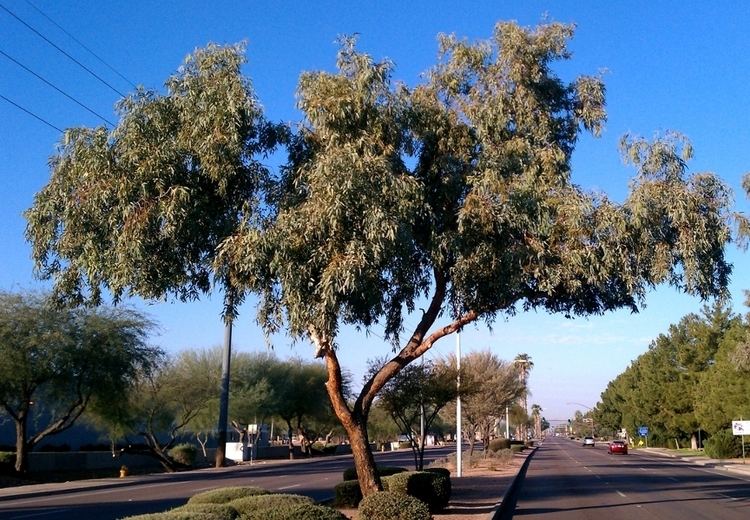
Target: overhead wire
32, 114
79, 103
79, 42
84, 67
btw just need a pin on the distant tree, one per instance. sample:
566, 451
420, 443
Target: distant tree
419, 390
488, 385
381, 428
162, 404
536, 415
56, 363
524, 364
142, 208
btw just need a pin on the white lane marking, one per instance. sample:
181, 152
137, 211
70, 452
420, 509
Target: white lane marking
50, 512
623, 495
289, 487
673, 479
727, 496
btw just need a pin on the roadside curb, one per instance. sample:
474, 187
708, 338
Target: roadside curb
507, 505
738, 469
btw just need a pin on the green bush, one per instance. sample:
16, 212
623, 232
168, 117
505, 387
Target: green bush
252, 504
351, 473
7, 461
517, 448
175, 515
225, 495
296, 512
219, 511
723, 445
184, 453
440, 471
431, 488
499, 444
347, 493
390, 505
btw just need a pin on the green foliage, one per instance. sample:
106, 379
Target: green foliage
67, 361
517, 448
219, 511
499, 444
225, 495
267, 502
383, 471
296, 512
432, 488
723, 445
445, 472
347, 493
184, 453
178, 515
390, 505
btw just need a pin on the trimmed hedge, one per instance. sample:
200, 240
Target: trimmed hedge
226, 494
347, 494
499, 444
384, 471
517, 448
296, 512
440, 471
390, 505
218, 511
175, 515
258, 503
184, 453
431, 488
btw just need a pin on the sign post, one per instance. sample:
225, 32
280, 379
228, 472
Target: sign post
643, 432
741, 428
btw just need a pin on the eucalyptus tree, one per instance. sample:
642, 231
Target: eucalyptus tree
456, 195
140, 210
57, 363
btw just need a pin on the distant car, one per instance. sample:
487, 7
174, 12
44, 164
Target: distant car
617, 447
588, 441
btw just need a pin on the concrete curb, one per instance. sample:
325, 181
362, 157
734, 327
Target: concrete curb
738, 469
504, 510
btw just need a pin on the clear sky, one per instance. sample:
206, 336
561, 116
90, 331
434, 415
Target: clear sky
671, 65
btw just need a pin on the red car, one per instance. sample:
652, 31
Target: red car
617, 447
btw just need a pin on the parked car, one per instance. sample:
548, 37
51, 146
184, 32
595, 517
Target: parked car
588, 441
618, 447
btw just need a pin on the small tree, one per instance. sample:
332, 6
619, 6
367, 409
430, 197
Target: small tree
419, 390
164, 401
56, 363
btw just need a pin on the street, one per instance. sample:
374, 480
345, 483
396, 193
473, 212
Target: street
105, 499
568, 481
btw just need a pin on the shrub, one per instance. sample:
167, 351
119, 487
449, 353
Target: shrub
7, 461
347, 493
351, 473
440, 471
499, 444
517, 448
184, 453
431, 488
389, 505
225, 495
296, 512
218, 511
175, 515
723, 445
498, 459
265, 503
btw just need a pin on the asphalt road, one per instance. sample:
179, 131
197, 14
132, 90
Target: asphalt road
567, 481
115, 498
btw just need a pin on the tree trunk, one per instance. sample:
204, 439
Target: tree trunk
291, 444
22, 464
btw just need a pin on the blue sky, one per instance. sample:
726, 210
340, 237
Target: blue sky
668, 66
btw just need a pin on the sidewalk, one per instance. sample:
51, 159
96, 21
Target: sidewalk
733, 465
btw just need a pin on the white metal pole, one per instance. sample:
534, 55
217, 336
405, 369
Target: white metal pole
458, 405
507, 423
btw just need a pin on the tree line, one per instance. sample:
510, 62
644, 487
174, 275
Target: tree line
454, 194
690, 384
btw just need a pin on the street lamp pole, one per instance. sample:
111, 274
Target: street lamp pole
458, 404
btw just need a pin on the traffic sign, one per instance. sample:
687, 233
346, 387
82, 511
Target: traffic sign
741, 427
643, 431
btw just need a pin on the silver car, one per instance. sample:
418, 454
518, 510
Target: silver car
588, 441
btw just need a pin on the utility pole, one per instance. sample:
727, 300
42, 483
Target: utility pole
458, 405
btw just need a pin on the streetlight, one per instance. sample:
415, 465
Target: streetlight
592, 417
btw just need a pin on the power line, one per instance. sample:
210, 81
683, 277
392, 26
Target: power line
32, 114
84, 67
79, 103
79, 42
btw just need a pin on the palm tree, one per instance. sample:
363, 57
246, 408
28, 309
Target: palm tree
536, 413
526, 364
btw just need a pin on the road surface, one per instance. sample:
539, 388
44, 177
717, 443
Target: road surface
567, 481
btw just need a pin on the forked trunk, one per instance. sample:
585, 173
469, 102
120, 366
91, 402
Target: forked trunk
364, 462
